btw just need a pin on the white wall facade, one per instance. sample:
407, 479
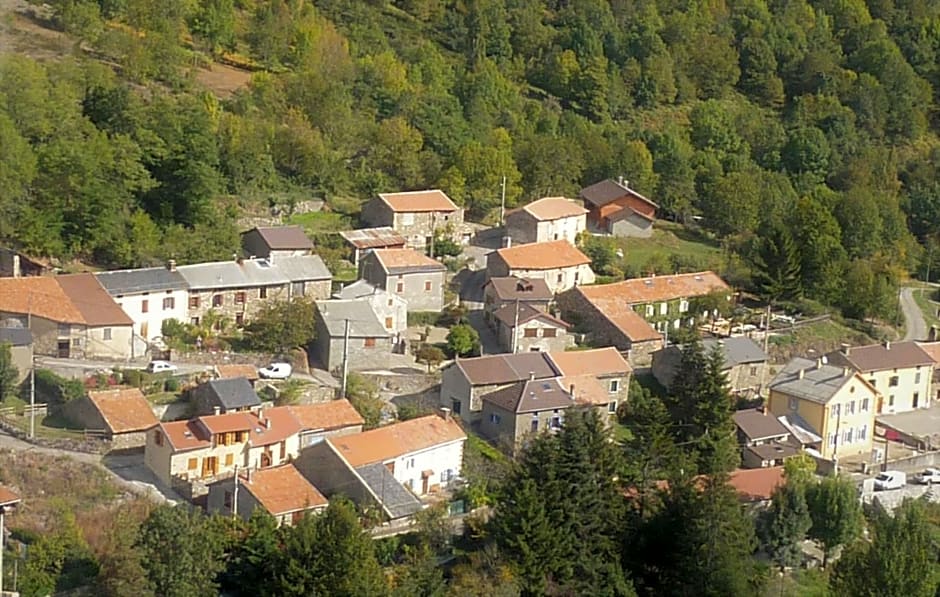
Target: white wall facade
559, 279
902, 388
160, 306
444, 460
561, 229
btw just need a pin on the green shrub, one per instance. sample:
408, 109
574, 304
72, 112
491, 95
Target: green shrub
171, 385
419, 318
55, 389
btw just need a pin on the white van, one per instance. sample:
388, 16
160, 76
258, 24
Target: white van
890, 480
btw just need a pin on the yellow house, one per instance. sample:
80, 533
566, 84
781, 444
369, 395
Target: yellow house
836, 403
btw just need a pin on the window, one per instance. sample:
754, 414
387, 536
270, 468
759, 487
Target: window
368, 342
614, 386
850, 408
455, 406
229, 459
793, 404
917, 377
388, 323
891, 400
864, 407
612, 407
239, 298
158, 438
495, 419
833, 439
169, 303
76, 342
410, 463
893, 381
217, 300
576, 276
872, 382
239, 319
663, 308
561, 278
193, 302
192, 464
847, 437
683, 306
194, 320
555, 423
863, 433
400, 287
65, 329
835, 410
649, 310
535, 424
427, 286
106, 333
144, 306
753, 371
283, 450
548, 333
263, 292
530, 332
390, 302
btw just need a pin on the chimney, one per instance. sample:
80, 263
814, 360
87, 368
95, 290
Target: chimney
887, 344
239, 260
444, 413
531, 375
216, 410
267, 423
819, 363
801, 373
620, 180
763, 409
171, 265
571, 391
507, 241
846, 349
846, 371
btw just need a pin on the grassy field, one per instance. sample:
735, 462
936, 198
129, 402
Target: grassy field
822, 337
925, 298
314, 222
671, 247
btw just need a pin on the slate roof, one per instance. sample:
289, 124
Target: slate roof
507, 315
531, 396
550, 255
363, 322
756, 424
302, 268
374, 238
605, 191
358, 289
505, 368
282, 490
400, 261
392, 441
16, 336
819, 383
397, 501
738, 350
283, 238
511, 288
148, 279
879, 357
232, 274
414, 201
231, 393
124, 410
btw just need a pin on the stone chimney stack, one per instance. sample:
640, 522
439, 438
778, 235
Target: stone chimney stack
444, 413
846, 350
801, 373
171, 265
531, 375
887, 344
216, 410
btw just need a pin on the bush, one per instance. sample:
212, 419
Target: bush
171, 385
463, 340
419, 318
54, 389
430, 355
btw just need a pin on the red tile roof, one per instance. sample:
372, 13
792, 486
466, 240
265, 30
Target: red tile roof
541, 256
410, 201
404, 259
390, 442
124, 410
621, 315
657, 288
283, 425
92, 300
228, 422
554, 208
185, 435
756, 484
7, 497
932, 349
605, 191
41, 296
335, 414
235, 371
597, 362
282, 490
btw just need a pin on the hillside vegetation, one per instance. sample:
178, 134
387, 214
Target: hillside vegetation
802, 133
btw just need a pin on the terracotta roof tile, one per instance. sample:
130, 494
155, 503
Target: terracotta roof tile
597, 362
335, 414
389, 442
185, 435
234, 371
622, 316
41, 296
432, 200
228, 422
505, 368
92, 300
7, 497
657, 288
542, 256
756, 484
605, 191
554, 208
282, 490
283, 425
586, 389
396, 260
932, 349
124, 410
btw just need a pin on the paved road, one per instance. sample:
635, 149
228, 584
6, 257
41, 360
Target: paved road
914, 318
81, 367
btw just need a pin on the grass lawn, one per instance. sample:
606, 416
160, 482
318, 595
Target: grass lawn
822, 337
923, 297
670, 244
320, 221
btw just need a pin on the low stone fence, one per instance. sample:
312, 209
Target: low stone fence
87, 441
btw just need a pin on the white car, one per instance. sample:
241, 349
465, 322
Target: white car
928, 476
161, 367
890, 480
275, 371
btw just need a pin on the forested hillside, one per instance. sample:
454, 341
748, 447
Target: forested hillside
802, 133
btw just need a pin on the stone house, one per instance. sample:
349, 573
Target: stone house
901, 371
835, 403
411, 275
14, 264
391, 309
615, 208
149, 296
205, 449
498, 292
234, 371
69, 316
239, 289
369, 344
20, 341
366, 239
515, 413
417, 216
546, 219
465, 381
221, 396
745, 363
764, 440
522, 328
281, 491
598, 377
559, 263
326, 419
276, 241
123, 414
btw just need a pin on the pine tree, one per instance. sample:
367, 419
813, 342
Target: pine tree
836, 513
785, 524
252, 560
776, 264
685, 387
713, 426
651, 451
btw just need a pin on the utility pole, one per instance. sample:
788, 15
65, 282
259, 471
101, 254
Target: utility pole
345, 358
1, 551
32, 398
235, 496
502, 203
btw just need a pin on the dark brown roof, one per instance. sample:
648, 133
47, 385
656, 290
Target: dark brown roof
505, 368
511, 288
92, 300
531, 396
507, 315
878, 357
756, 424
284, 237
605, 191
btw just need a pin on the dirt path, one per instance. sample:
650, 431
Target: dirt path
916, 326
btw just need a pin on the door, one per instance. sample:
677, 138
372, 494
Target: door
210, 466
144, 329
424, 485
916, 398
63, 349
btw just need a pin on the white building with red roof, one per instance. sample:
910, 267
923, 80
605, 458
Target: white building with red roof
416, 215
546, 219
281, 491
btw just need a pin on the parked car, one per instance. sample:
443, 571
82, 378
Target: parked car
928, 476
275, 371
161, 367
890, 480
